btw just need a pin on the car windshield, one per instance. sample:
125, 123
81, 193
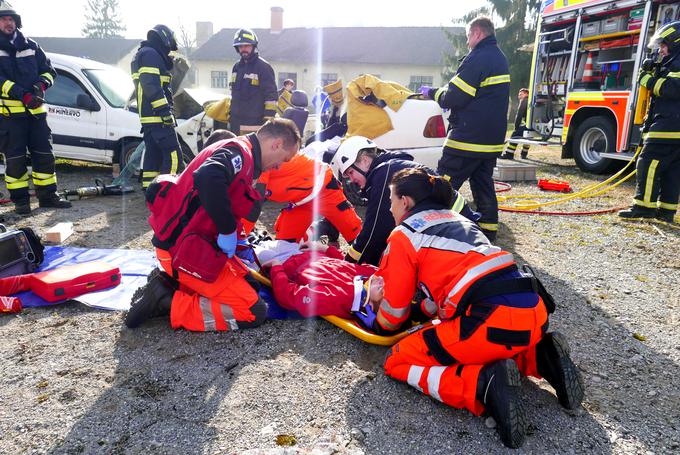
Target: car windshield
115, 85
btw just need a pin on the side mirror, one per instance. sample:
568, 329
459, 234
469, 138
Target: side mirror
85, 101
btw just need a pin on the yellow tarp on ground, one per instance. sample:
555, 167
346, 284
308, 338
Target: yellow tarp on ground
367, 95
219, 110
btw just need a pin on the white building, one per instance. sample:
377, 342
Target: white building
313, 57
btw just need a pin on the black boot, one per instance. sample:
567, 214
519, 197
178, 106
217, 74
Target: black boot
637, 212
498, 389
22, 207
507, 156
152, 300
53, 200
665, 215
524, 155
555, 365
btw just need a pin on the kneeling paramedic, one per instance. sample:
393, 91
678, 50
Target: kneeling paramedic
195, 218
658, 168
306, 184
494, 319
359, 160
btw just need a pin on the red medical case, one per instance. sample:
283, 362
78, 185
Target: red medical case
70, 281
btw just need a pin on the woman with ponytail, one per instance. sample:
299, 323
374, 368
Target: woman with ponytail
493, 318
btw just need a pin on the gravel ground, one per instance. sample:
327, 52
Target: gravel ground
75, 380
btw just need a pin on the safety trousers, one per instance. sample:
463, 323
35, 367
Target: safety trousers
229, 303
18, 136
162, 154
479, 171
658, 178
444, 361
331, 203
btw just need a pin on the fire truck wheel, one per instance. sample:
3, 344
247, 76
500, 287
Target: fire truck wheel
595, 135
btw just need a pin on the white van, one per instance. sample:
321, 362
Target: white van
87, 111
93, 118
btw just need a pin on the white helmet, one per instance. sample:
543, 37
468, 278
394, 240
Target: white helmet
347, 153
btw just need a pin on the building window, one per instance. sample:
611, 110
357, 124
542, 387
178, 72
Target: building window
417, 81
328, 78
284, 76
219, 79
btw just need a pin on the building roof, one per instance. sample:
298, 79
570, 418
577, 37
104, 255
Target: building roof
424, 46
105, 50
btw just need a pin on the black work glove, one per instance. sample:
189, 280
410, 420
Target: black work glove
39, 90
31, 101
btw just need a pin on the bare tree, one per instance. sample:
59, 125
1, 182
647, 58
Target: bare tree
102, 20
185, 41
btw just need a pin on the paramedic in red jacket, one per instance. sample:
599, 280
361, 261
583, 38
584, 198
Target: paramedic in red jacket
319, 282
208, 200
494, 318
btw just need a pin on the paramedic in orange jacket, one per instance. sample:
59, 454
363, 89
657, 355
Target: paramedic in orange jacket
493, 318
302, 183
217, 188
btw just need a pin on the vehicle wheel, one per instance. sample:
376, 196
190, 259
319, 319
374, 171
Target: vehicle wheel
594, 136
353, 193
126, 151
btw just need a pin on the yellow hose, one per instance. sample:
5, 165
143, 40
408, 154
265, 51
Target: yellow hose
587, 192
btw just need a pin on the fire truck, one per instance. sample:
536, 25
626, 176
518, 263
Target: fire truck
583, 92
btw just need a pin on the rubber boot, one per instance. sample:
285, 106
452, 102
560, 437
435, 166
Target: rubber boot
555, 365
22, 207
152, 300
507, 156
637, 212
665, 215
498, 389
53, 200
491, 235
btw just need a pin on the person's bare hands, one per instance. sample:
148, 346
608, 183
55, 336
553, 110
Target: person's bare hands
376, 290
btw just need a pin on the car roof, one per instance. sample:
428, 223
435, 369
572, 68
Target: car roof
76, 62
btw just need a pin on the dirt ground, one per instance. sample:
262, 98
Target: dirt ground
75, 380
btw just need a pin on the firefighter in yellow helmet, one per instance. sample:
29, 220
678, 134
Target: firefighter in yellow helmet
252, 83
25, 74
658, 168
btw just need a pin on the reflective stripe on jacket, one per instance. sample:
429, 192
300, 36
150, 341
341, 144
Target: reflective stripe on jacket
151, 75
22, 64
478, 96
437, 250
664, 110
253, 91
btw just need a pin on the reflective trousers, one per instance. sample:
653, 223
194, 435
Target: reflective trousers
229, 303
162, 154
480, 173
18, 136
658, 178
444, 361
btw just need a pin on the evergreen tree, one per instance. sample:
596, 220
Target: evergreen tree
102, 20
518, 18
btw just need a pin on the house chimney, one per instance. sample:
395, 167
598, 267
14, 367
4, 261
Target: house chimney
204, 30
277, 20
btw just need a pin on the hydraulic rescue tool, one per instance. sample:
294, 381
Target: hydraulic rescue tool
99, 189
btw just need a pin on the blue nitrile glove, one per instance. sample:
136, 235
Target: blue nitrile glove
366, 316
425, 90
227, 243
